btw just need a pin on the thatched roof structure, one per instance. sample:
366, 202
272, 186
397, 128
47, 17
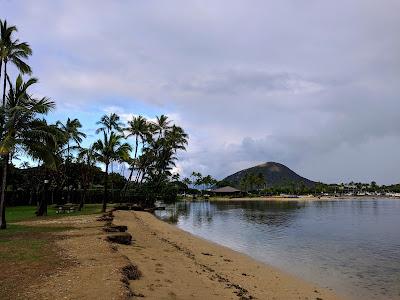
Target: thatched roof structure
226, 190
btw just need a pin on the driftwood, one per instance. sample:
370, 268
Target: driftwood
120, 238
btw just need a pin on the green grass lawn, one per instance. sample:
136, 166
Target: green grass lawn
23, 213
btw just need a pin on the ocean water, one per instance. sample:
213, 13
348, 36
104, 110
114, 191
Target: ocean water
349, 246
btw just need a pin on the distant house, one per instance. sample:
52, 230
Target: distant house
226, 191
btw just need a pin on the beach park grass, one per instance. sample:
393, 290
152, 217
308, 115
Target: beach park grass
26, 251
27, 213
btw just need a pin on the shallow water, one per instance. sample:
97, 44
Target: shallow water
350, 246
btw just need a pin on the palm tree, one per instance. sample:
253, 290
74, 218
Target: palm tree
87, 158
110, 149
161, 125
71, 134
23, 131
177, 138
109, 123
11, 50
137, 127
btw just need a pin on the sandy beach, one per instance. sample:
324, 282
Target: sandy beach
173, 264
178, 265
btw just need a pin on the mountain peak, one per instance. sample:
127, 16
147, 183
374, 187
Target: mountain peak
275, 174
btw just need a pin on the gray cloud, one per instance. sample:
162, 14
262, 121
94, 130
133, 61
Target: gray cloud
311, 84
238, 81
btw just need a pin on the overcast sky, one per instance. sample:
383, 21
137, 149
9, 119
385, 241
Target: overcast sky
311, 84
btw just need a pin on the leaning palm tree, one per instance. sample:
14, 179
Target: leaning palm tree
13, 51
23, 131
109, 123
108, 150
139, 128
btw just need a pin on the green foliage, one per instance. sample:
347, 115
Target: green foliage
251, 182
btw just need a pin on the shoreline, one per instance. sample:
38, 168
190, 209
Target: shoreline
298, 199
178, 265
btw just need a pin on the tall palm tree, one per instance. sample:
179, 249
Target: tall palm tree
13, 51
23, 131
177, 138
109, 123
71, 134
110, 149
162, 124
87, 158
137, 127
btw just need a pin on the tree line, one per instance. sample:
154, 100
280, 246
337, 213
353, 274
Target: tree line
57, 148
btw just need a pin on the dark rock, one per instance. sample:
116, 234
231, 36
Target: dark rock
115, 228
120, 238
106, 217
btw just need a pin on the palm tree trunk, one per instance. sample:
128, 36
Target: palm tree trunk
1, 67
133, 167
3, 224
42, 209
83, 198
4, 83
105, 190
68, 177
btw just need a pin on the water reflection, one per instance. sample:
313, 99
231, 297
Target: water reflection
352, 246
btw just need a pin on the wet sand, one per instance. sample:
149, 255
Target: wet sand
178, 265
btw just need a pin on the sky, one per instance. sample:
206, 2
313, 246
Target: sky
312, 84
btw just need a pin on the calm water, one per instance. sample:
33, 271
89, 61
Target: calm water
350, 246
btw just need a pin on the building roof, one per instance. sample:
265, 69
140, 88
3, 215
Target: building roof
226, 189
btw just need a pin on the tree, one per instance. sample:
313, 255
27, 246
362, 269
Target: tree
187, 181
13, 51
110, 149
23, 131
196, 178
162, 125
208, 181
137, 127
87, 160
71, 134
157, 160
109, 123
